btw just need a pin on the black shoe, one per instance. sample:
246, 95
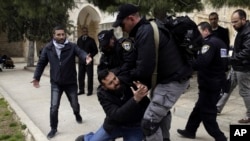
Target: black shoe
89, 94
81, 92
78, 118
80, 138
52, 133
166, 139
186, 134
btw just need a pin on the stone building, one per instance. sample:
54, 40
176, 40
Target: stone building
96, 20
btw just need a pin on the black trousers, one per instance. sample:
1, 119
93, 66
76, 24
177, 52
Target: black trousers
56, 94
205, 111
83, 69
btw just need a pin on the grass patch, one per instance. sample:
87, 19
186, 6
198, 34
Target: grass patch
11, 129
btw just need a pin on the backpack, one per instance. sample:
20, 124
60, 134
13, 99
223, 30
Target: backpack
185, 33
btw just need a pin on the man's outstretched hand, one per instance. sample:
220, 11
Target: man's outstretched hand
35, 83
142, 90
88, 59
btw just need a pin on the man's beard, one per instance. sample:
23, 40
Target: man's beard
121, 88
60, 41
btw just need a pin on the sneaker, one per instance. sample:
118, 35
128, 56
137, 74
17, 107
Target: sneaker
78, 118
244, 120
80, 138
186, 134
52, 133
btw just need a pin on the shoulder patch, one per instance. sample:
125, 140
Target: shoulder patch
204, 49
223, 53
127, 45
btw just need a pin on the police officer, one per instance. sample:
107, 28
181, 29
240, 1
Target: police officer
211, 65
118, 55
173, 71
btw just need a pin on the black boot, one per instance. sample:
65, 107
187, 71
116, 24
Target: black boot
186, 134
52, 133
80, 138
78, 118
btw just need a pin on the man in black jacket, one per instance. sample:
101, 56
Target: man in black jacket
223, 34
60, 54
124, 108
173, 72
87, 44
219, 31
210, 65
240, 60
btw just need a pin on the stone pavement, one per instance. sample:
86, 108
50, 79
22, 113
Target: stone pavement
32, 107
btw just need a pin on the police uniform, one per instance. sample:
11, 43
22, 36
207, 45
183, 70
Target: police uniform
210, 65
120, 58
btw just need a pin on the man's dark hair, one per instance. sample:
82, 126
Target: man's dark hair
59, 27
205, 25
102, 75
213, 14
241, 13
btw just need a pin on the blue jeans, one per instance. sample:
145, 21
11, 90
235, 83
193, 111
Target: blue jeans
127, 133
56, 94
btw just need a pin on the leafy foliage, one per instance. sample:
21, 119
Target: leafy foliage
230, 3
158, 8
34, 20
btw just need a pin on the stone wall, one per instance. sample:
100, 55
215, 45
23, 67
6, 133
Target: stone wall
12, 49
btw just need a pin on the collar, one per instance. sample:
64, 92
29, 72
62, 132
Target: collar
134, 30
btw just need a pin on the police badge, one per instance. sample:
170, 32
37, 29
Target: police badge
127, 45
204, 49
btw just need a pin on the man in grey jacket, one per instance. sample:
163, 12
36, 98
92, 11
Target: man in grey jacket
60, 53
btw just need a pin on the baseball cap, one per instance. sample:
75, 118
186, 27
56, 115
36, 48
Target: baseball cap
124, 11
104, 37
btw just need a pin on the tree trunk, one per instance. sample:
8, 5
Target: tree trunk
30, 60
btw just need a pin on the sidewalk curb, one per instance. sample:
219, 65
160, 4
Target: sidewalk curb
32, 133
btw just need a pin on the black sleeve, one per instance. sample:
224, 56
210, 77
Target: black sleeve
129, 111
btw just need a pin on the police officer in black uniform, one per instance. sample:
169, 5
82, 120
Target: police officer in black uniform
210, 64
173, 72
118, 55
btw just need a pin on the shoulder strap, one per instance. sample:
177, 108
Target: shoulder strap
156, 38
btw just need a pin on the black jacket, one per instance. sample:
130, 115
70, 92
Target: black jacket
88, 45
62, 71
241, 53
171, 65
223, 34
120, 108
211, 63
118, 59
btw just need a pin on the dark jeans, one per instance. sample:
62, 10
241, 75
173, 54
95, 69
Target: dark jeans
83, 69
56, 94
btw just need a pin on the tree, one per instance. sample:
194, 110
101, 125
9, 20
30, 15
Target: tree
230, 3
33, 20
158, 8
